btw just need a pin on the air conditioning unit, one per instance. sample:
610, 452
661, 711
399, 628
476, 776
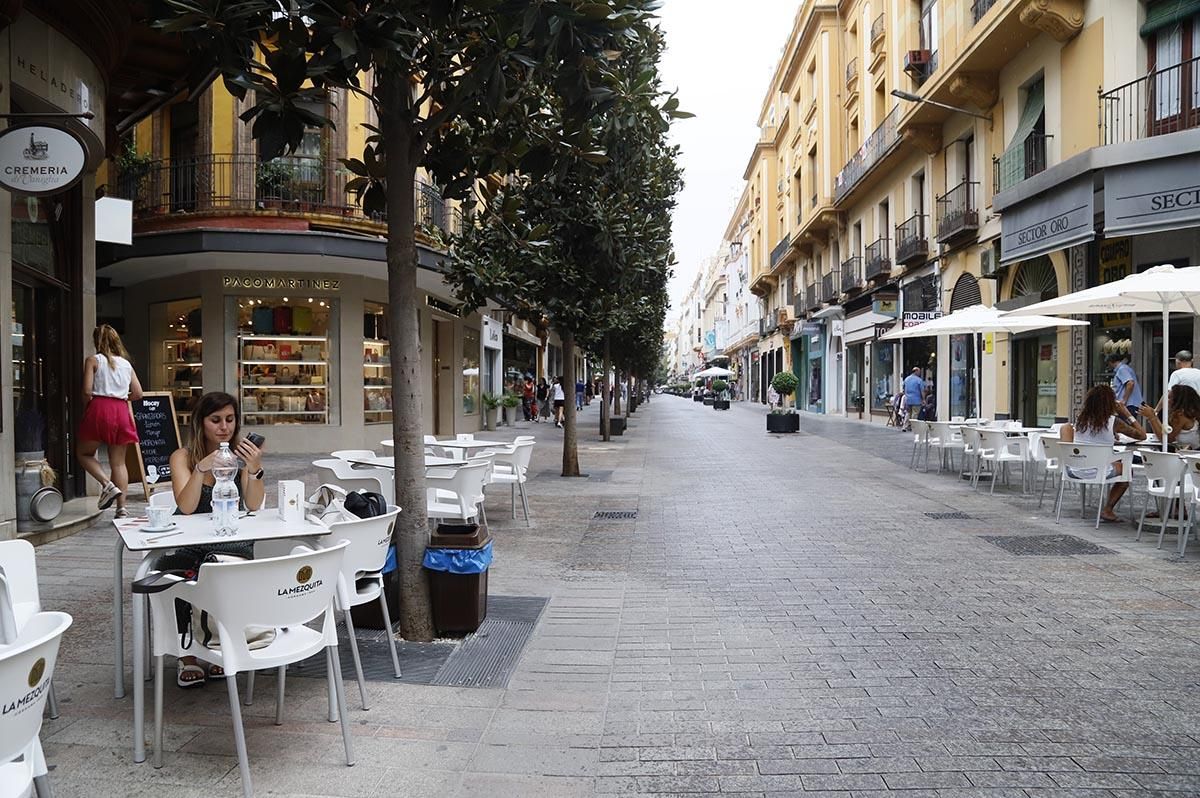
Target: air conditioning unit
989, 261
916, 63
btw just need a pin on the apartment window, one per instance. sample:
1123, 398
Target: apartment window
856, 239
1172, 32
812, 176
1026, 153
885, 218
929, 30
918, 193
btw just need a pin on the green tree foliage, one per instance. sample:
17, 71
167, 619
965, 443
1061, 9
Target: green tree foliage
461, 89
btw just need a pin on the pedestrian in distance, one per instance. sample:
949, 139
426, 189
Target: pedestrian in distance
528, 396
560, 401
588, 392
1184, 374
914, 395
579, 394
1125, 383
109, 382
543, 399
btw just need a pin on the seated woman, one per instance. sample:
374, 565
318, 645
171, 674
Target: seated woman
215, 419
1185, 417
1100, 420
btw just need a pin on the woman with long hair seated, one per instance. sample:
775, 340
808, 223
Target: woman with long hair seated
216, 419
1100, 420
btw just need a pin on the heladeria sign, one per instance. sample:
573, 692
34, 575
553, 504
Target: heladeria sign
37, 159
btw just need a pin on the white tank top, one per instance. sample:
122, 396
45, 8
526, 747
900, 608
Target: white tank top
112, 382
1105, 436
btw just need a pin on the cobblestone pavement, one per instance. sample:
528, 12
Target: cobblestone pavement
781, 618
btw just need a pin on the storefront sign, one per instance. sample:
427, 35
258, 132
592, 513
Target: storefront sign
1053, 220
443, 306
281, 282
914, 317
1116, 262
882, 329
45, 63
492, 334
1152, 196
886, 306
836, 327
38, 159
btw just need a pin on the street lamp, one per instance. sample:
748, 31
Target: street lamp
916, 98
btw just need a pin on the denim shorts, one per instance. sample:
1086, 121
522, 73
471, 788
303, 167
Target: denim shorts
1090, 473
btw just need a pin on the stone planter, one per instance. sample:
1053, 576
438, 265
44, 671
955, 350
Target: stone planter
490, 416
616, 425
720, 404
697, 397
708, 400
783, 422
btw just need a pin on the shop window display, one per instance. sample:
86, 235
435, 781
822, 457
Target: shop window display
377, 367
470, 372
882, 375
284, 348
180, 369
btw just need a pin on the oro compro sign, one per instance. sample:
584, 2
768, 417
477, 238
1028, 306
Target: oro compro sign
37, 159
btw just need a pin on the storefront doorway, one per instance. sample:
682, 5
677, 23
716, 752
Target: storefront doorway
1035, 390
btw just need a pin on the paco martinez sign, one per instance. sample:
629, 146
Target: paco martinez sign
38, 159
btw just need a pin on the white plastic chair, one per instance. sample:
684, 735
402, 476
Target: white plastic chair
524, 438
283, 593
1001, 451
1164, 474
19, 591
512, 469
353, 454
455, 494
973, 451
1051, 461
1191, 504
344, 475
26, 673
361, 579
920, 433
1077, 458
946, 440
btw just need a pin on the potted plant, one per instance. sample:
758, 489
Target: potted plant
721, 388
491, 409
132, 170
509, 401
274, 181
784, 419
698, 392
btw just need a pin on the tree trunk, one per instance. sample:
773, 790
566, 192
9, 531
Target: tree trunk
570, 456
631, 381
412, 525
618, 381
605, 408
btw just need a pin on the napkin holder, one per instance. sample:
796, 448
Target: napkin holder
291, 500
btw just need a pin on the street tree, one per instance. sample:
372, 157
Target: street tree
446, 78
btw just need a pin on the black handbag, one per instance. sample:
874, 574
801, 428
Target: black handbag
365, 504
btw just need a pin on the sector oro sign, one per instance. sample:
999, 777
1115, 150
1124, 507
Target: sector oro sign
38, 159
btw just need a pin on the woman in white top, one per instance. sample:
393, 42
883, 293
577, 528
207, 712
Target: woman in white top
108, 382
560, 401
1100, 420
1185, 417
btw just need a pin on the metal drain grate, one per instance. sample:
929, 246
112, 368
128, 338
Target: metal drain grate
1045, 545
954, 516
482, 659
615, 515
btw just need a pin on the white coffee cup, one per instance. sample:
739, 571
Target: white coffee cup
159, 516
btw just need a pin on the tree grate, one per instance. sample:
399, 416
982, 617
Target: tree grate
615, 515
954, 516
1045, 545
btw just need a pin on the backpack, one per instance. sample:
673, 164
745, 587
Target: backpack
365, 504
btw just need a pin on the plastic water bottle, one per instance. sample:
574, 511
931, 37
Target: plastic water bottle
225, 492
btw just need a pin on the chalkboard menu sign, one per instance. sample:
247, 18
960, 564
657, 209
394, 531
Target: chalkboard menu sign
158, 438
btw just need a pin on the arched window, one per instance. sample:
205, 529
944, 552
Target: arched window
1036, 278
965, 293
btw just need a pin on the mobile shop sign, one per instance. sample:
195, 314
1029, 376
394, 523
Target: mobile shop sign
914, 317
38, 160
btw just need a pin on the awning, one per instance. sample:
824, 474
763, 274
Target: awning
1012, 163
521, 335
1052, 220
1168, 12
1152, 196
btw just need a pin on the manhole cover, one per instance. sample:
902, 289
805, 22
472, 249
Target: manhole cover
615, 515
955, 516
1045, 545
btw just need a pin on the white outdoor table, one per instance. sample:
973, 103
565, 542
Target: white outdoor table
390, 462
194, 530
467, 446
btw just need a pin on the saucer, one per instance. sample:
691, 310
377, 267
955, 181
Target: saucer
153, 529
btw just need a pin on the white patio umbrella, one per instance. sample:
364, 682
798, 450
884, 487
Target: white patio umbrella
1162, 289
979, 319
712, 371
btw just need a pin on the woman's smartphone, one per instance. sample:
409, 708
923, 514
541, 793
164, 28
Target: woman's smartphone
256, 439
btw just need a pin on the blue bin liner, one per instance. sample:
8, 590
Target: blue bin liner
389, 564
459, 561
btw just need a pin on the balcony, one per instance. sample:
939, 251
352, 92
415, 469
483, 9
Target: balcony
768, 326
852, 274
877, 259
851, 72
780, 250
224, 185
878, 145
979, 8
812, 296
829, 287
878, 31
912, 245
957, 214
1019, 162
1163, 101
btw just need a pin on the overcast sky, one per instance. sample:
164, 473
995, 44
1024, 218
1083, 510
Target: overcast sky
720, 56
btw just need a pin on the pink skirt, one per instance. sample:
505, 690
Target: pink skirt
109, 421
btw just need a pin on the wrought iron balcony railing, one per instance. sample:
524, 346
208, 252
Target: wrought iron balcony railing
780, 250
852, 274
912, 244
851, 71
242, 183
882, 141
1019, 162
878, 28
829, 287
877, 260
1164, 101
958, 215
979, 8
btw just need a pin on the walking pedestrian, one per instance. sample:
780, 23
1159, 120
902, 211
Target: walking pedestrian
527, 399
914, 395
1184, 374
1125, 382
588, 392
579, 394
109, 381
543, 399
560, 400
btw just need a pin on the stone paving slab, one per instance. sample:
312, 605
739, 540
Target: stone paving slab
781, 618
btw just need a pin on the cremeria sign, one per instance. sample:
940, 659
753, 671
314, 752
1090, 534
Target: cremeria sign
37, 159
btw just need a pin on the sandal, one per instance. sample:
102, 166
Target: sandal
183, 669
216, 672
